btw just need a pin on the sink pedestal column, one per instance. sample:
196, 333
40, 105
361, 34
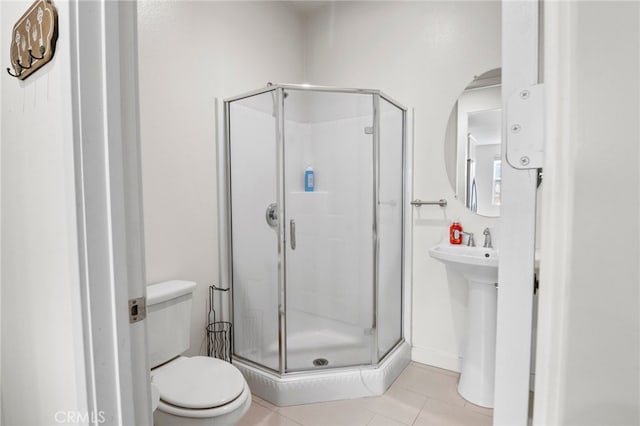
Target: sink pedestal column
478, 363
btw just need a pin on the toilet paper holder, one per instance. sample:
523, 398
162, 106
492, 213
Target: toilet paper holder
219, 333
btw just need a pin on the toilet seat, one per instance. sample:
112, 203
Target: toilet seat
198, 383
206, 413
191, 388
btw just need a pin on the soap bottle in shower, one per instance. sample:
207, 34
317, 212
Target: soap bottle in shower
309, 179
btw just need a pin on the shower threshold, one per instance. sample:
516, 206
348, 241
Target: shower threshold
326, 384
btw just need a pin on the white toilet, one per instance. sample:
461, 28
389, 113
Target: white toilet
193, 391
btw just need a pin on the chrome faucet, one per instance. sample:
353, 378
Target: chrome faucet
487, 238
470, 241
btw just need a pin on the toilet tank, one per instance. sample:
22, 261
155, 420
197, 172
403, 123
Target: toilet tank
168, 320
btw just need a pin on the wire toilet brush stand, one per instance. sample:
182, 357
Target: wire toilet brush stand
219, 333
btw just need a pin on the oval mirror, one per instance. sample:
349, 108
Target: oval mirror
472, 145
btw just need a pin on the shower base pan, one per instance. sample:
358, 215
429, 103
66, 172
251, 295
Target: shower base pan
327, 384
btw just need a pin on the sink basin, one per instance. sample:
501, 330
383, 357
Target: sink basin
480, 267
477, 264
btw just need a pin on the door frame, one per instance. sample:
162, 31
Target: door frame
520, 64
104, 88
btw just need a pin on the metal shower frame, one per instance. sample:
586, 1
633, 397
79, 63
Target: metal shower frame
281, 228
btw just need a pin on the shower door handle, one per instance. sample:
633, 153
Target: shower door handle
292, 234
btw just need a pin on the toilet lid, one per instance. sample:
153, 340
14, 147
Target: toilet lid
199, 382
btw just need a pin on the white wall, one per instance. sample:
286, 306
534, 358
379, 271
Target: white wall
189, 54
42, 341
423, 54
589, 324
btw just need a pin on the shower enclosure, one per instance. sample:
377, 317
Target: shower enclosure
316, 276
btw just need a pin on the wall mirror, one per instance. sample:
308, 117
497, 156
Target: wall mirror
472, 145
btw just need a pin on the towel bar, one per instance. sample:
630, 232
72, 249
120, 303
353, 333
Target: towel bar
418, 202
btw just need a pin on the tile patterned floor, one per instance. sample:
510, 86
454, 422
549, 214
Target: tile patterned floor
421, 396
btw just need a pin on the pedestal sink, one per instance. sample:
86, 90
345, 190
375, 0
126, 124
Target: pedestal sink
480, 267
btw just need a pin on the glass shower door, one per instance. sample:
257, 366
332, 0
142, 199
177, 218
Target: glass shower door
254, 228
390, 227
329, 240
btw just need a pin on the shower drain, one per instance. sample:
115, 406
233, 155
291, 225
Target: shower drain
320, 362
